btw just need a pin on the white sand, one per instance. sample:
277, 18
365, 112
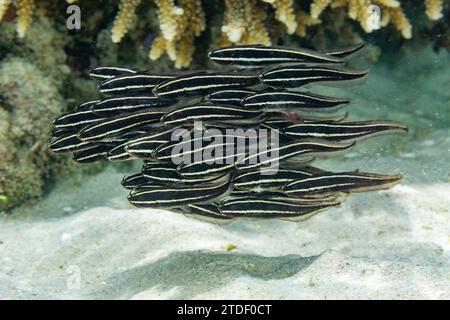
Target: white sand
77, 243
393, 244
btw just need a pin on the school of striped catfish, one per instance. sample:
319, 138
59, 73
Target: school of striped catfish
141, 111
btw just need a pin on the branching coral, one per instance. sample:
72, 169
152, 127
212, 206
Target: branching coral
284, 12
179, 25
391, 12
4, 6
25, 9
434, 9
123, 19
303, 21
243, 23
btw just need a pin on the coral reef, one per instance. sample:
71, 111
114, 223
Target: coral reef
363, 11
35, 33
179, 25
284, 12
28, 95
34, 80
4, 5
124, 17
242, 22
434, 9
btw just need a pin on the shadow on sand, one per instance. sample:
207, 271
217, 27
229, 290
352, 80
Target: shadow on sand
196, 272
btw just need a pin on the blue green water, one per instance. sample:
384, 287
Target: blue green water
392, 244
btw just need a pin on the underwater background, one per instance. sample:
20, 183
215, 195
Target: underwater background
67, 231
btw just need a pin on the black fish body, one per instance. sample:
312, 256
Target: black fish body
203, 84
102, 73
115, 106
76, 119
208, 112
346, 52
300, 75
342, 131
69, 143
119, 124
177, 195
229, 97
92, 154
220, 165
330, 182
207, 210
255, 207
166, 173
269, 179
145, 145
133, 181
132, 83
259, 55
290, 150
295, 100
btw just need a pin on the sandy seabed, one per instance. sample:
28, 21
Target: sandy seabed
83, 240
393, 244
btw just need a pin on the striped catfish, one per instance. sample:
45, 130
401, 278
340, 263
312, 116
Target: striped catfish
137, 82
59, 132
102, 73
76, 119
299, 75
280, 153
86, 105
286, 120
346, 52
119, 124
133, 181
203, 144
115, 106
342, 131
230, 97
330, 182
93, 154
260, 55
292, 100
166, 173
206, 211
119, 153
269, 179
208, 112
145, 148
220, 164
69, 143
177, 195
255, 207
202, 83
